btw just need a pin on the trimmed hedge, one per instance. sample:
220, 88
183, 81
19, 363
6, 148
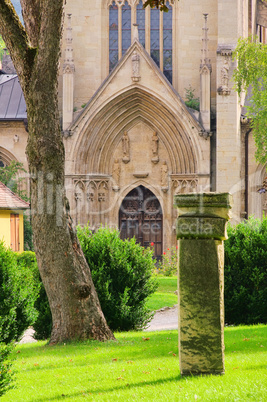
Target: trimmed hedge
245, 272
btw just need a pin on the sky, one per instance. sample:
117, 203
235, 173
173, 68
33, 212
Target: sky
16, 4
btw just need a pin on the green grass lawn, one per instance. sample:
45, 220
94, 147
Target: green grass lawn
139, 367
164, 296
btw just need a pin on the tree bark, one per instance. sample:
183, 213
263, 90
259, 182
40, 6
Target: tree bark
66, 276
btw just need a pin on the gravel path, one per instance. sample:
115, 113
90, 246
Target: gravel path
164, 319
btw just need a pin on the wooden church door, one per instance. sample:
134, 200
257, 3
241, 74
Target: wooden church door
140, 216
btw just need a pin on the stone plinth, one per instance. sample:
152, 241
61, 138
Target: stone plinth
201, 229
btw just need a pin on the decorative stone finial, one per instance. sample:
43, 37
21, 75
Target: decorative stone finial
68, 66
205, 61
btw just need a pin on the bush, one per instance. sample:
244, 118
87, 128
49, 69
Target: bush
18, 292
6, 374
122, 274
28, 242
43, 324
246, 272
190, 99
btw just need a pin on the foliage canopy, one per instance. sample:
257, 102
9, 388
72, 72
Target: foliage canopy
251, 76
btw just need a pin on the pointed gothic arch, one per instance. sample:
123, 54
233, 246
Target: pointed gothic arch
6, 157
102, 134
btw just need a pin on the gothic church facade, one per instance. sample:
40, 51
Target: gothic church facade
131, 142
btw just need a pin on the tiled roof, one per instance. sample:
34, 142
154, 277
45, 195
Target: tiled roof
9, 200
12, 102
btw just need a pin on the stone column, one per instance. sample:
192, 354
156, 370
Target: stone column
201, 229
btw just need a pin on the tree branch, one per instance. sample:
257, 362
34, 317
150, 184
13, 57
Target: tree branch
16, 40
31, 17
46, 67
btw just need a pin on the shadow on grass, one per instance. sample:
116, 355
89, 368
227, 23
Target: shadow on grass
113, 389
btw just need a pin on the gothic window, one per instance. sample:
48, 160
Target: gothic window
113, 35
154, 28
167, 43
126, 27
5, 157
155, 35
141, 21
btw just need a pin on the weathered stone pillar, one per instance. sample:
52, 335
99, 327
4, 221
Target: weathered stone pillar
201, 229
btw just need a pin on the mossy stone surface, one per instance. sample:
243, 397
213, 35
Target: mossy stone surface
200, 306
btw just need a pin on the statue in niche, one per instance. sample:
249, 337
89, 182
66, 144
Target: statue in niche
135, 66
155, 148
126, 147
224, 88
164, 177
225, 73
116, 174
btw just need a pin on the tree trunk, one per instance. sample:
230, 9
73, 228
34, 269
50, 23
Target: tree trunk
66, 276
74, 304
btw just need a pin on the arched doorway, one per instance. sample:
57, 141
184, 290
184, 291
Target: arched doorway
140, 216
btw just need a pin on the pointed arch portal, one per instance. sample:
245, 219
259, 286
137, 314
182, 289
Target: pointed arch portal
140, 216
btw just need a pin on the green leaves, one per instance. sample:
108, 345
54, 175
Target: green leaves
6, 374
121, 272
161, 4
9, 177
250, 76
245, 272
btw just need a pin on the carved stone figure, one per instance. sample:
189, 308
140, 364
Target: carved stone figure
155, 148
135, 66
125, 147
116, 173
224, 88
164, 176
225, 73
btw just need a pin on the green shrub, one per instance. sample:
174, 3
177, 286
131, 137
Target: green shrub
43, 324
28, 242
6, 374
246, 272
190, 99
18, 292
121, 272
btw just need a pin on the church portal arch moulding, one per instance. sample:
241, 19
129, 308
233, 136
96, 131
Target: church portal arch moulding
95, 143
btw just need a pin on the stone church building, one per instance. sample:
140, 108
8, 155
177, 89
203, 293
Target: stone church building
131, 142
